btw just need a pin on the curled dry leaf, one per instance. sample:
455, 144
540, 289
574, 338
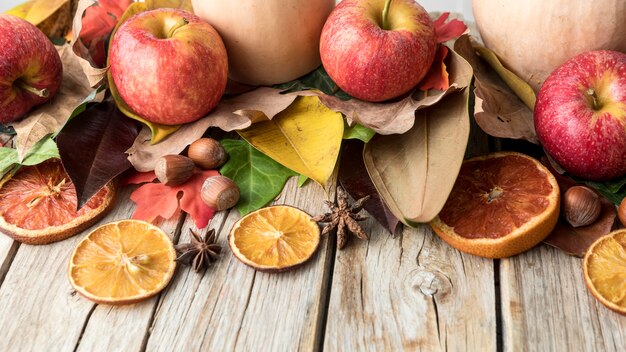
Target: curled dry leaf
233, 113
498, 110
414, 172
576, 240
50, 117
53, 17
96, 76
398, 116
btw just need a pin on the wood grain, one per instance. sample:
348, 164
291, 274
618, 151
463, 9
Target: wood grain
547, 307
233, 307
413, 292
8, 248
38, 307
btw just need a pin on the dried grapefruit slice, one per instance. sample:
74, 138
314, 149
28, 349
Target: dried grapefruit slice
502, 204
275, 238
605, 270
122, 262
38, 204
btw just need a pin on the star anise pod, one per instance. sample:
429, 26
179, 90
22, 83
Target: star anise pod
344, 217
200, 252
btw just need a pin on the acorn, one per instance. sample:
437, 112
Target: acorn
219, 193
207, 153
581, 206
173, 170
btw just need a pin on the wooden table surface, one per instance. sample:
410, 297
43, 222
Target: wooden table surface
409, 292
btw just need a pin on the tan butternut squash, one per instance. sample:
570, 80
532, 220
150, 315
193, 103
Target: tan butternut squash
533, 37
268, 41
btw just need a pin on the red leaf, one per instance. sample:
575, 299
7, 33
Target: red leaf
448, 31
437, 77
157, 200
138, 178
98, 23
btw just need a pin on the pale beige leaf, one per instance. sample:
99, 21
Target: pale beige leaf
498, 110
95, 75
231, 114
414, 172
51, 116
398, 117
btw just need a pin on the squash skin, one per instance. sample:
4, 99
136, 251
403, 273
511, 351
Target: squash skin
269, 41
534, 37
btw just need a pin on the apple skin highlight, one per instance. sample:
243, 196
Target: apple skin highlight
580, 115
372, 63
169, 66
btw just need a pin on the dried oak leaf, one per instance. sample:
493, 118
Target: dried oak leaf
576, 240
157, 200
498, 110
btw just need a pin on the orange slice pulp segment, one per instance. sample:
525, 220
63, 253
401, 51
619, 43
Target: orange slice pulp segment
605, 270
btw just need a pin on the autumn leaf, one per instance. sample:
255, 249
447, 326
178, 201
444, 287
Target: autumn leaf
437, 77
98, 23
260, 179
448, 30
156, 200
43, 150
305, 138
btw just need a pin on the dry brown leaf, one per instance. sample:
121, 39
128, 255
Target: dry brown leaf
414, 172
95, 75
50, 117
231, 114
498, 110
398, 117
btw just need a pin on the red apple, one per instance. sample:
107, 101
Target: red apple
376, 57
169, 66
580, 116
30, 68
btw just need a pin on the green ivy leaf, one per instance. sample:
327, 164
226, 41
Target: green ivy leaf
613, 190
259, 178
317, 79
44, 149
359, 132
302, 180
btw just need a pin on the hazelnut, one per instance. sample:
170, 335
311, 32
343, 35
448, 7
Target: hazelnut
219, 192
621, 212
207, 153
174, 170
581, 206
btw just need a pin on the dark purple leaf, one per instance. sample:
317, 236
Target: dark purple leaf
354, 178
93, 147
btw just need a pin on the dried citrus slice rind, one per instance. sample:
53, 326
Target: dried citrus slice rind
604, 267
122, 262
275, 238
502, 204
38, 204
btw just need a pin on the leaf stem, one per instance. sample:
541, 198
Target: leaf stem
42, 93
385, 25
182, 22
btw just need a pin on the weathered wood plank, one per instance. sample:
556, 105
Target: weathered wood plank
8, 248
412, 292
38, 307
233, 307
547, 307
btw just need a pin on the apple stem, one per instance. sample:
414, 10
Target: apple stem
385, 13
180, 23
42, 93
594, 98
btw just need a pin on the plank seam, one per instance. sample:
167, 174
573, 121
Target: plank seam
6, 264
498, 302
84, 328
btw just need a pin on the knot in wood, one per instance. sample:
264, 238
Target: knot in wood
432, 283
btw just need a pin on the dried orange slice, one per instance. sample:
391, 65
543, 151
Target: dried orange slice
502, 204
122, 262
38, 204
275, 238
605, 270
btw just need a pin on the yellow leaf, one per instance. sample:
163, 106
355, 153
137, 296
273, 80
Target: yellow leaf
175, 4
40, 10
305, 138
522, 89
159, 132
21, 10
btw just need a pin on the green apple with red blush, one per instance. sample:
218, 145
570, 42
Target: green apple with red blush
377, 50
580, 115
169, 66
